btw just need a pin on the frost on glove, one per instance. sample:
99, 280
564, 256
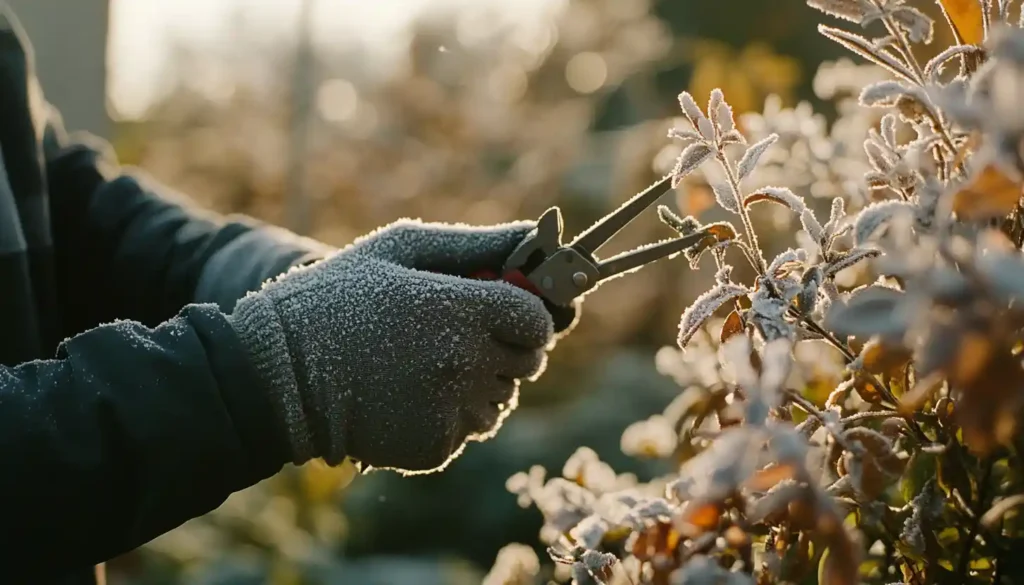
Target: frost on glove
385, 353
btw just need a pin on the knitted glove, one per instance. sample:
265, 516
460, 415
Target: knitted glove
384, 353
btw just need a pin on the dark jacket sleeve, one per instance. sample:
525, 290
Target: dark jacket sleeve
128, 433
128, 248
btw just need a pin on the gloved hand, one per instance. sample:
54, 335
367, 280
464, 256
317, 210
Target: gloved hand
384, 353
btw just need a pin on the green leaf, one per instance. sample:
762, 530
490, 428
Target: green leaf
951, 474
920, 469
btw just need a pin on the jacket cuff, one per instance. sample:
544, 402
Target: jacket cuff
259, 327
260, 252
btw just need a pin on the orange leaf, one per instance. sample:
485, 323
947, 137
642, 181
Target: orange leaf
733, 326
919, 394
879, 358
721, 231
702, 515
767, 478
972, 357
966, 19
990, 193
867, 390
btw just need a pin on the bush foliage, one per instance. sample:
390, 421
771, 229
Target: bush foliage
848, 413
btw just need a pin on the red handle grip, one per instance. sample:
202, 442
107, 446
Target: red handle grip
513, 277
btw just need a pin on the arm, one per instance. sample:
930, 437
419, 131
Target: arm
127, 247
127, 434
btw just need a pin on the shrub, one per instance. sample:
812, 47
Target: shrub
854, 417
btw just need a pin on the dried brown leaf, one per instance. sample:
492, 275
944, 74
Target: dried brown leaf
990, 193
733, 326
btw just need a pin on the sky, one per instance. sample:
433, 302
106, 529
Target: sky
142, 30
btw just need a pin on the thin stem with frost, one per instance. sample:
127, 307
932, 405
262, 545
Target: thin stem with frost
904, 47
748, 227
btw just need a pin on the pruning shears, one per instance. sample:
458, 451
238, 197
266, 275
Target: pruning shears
560, 273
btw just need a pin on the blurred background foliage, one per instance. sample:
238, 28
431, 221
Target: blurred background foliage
478, 122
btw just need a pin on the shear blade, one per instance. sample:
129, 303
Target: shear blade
639, 257
598, 234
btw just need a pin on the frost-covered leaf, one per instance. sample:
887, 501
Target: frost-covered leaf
848, 259
726, 122
779, 195
685, 135
785, 262
867, 49
918, 26
887, 130
692, 157
590, 531
726, 196
654, 437
720, 469
753, 154
515, 564
811, 225
595, 565
733, 136
715, 101
936, 63
833, 227
775, 499
703, 307
684, 225
690, 108
872, 310
736, 353
852, 10
885, 94
768, 313
838, 210
882, 161
873, 217
724, 275
776, 363
1003, 271
707, 129
810, 282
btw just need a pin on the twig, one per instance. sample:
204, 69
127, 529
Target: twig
882, 388
904, 47
808, 407
860, 416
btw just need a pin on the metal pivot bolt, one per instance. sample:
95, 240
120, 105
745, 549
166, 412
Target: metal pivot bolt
580, 279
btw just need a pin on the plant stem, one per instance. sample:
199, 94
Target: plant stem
882, 388
901, 42
857, 417
979, 509
812, 410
